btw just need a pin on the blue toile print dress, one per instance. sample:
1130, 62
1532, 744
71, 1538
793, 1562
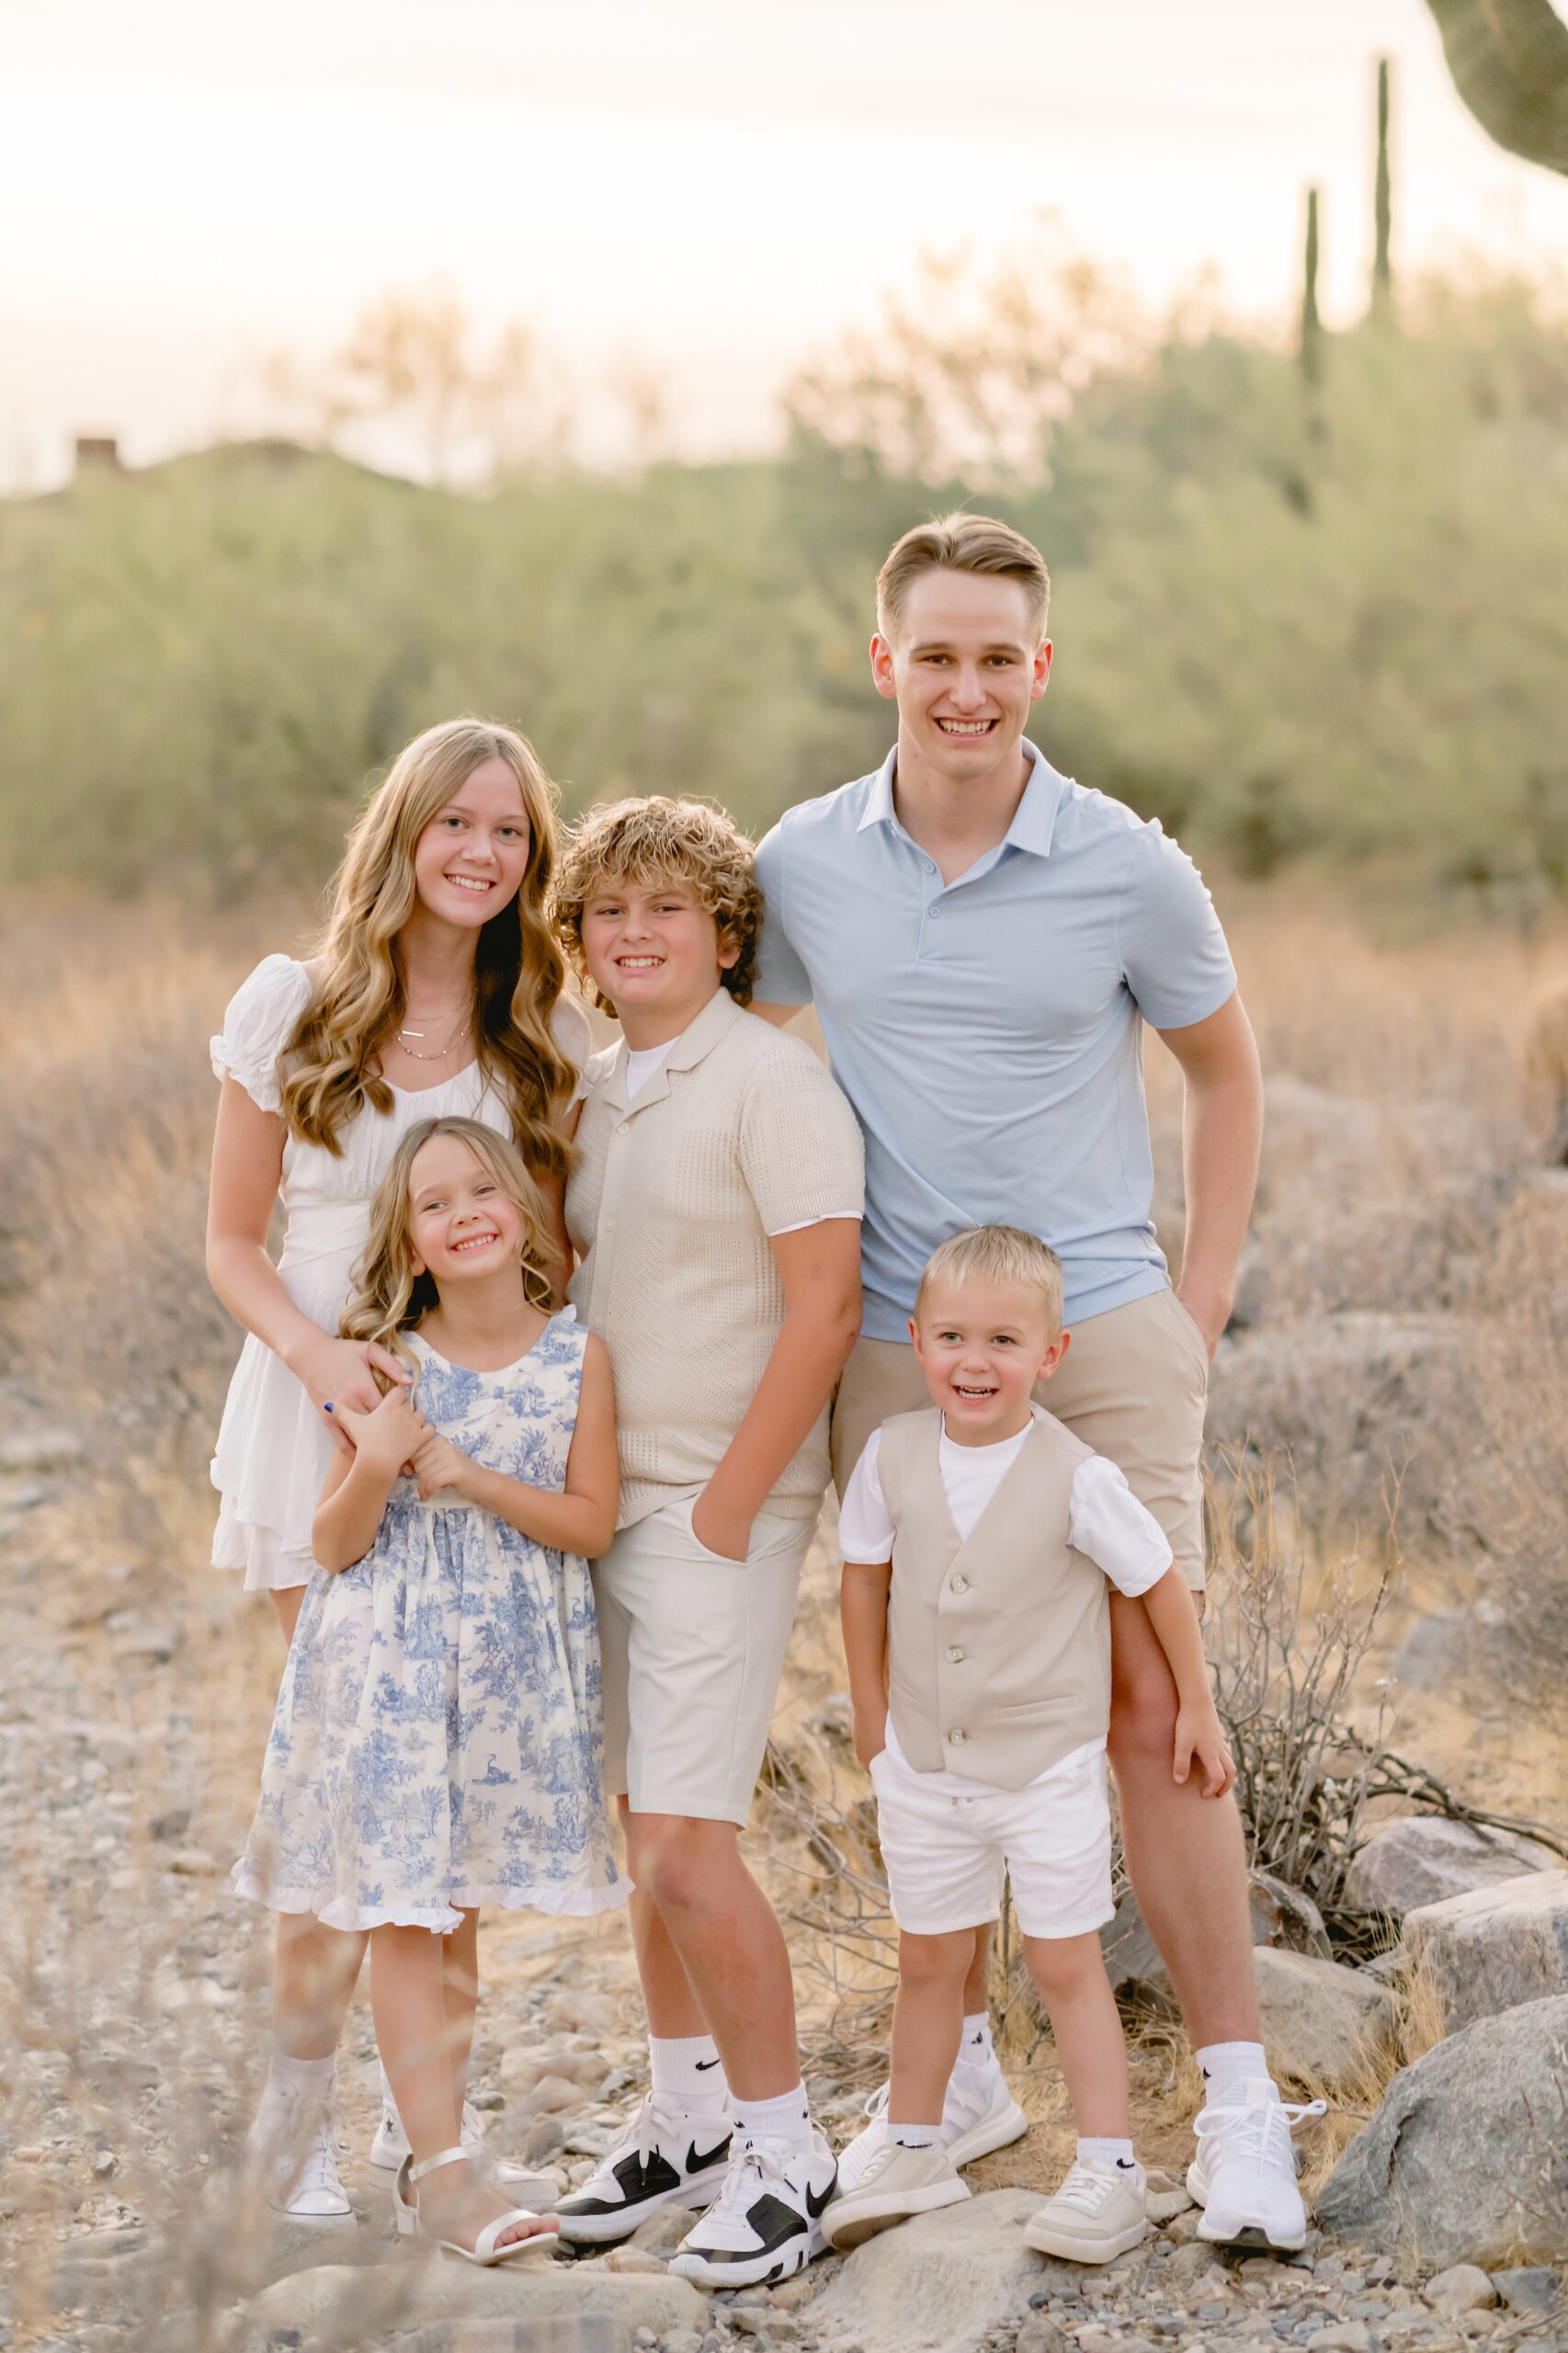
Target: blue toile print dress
437, 1742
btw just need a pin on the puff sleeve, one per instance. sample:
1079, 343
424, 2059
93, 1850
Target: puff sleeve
261, 1013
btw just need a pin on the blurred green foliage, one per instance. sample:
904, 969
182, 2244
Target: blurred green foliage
1297, 619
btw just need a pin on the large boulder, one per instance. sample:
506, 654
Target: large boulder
1495, 1948
937, 2284
1425, 1859
337, 2308
1322, 2024
1354, 1399
1463, 2162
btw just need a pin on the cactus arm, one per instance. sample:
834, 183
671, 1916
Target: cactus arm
1508, 61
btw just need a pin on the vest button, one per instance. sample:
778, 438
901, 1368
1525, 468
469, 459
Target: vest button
960, 1584
954, 1652
959, 1737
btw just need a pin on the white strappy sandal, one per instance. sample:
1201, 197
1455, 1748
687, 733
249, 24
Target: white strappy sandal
485, 2250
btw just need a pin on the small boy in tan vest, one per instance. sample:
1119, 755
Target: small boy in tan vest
978, 1540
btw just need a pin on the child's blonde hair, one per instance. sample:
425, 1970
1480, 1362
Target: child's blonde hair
997, 1253
358, 1005
660, 839
387, 1298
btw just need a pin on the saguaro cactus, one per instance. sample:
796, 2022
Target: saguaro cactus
1508, 61
1312, 324
1383, 275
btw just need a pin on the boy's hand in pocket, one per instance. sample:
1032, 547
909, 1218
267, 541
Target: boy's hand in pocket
719, 1530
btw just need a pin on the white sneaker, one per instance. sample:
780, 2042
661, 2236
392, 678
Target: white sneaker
1095, 2215
1244, 2175
897, 2182
294, 2145
390, 2147
979, 2116
766, 2223
670, 2157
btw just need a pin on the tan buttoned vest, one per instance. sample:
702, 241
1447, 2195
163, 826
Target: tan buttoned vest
999, 1646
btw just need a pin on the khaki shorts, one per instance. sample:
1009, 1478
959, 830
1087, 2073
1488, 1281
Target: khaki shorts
1134, 1385
691, 1649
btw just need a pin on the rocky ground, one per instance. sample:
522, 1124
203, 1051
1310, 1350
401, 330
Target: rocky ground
136, 2014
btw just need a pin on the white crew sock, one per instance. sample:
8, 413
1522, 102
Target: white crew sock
690, 2069
788, 2119
975, 2046
1227, 2066
300, 2078
1116, 2156
914, 2136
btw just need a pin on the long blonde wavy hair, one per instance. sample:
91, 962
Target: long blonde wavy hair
386, 1297
359, 1003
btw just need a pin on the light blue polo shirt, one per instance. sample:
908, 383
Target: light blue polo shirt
989, 1032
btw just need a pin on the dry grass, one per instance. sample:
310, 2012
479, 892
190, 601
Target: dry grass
106, 1106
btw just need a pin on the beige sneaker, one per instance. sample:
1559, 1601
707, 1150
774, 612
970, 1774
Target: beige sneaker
1095, 2215
897, 2183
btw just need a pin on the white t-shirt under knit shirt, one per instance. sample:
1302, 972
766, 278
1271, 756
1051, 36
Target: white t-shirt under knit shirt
1106, 1522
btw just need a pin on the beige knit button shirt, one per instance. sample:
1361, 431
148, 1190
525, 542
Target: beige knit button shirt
741, 1134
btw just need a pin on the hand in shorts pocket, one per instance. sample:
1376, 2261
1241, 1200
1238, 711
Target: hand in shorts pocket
719, 1533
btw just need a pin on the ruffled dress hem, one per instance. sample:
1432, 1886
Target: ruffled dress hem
340, 1911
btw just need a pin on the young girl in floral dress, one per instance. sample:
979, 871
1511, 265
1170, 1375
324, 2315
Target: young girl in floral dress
438, 1743
437, 988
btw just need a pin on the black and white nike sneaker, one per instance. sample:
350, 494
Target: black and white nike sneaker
767, 2221
669, 2157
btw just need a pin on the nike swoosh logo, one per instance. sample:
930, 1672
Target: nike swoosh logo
703, 2065
694, 2164
815, 2205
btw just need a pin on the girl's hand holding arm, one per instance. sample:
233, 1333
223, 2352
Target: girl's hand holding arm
863, 1613
357, 1486
1198, 1732
581, 1517
247, 1166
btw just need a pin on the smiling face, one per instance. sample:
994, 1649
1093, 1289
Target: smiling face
655, 951
469, 857
462, 1225
981, 1347
964, 664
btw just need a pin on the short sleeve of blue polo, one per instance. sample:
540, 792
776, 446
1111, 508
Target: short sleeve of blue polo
988, 1031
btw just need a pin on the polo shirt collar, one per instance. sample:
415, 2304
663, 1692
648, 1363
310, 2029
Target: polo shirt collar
1034, 820
696, 1042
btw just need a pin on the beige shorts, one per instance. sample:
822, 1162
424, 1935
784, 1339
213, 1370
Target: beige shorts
692, 1648
1134, 1385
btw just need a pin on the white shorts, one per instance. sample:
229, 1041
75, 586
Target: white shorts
946, 1855
692, 1649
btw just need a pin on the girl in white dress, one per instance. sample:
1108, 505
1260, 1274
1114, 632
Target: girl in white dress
438, 1743
437, 987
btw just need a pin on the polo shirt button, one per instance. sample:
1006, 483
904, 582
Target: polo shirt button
960, 1584
623, 1127
954, 1652
935, 913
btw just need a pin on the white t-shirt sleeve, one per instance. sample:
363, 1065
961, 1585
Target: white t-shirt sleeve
865, 1530
1107, 1522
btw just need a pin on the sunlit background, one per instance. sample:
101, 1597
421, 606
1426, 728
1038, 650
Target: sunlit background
703, 191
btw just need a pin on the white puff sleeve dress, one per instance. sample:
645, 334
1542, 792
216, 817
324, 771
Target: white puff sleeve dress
273, 1449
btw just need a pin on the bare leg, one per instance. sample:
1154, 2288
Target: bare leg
460, 1990
927, 2019
722, 1929
1069, 1974
314, 1970
1175, 1841
673, 2009
408, 1995
977, 1980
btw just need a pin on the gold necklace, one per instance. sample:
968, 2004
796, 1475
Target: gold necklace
404, 1035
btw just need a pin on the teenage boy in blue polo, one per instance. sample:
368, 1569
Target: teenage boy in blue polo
985, 941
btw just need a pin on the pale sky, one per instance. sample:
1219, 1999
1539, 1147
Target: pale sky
719, 187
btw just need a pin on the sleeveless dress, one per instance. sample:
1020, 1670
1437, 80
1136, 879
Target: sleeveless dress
437, 1744
273, 1449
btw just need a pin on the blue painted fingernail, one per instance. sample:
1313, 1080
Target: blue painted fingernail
329, 1404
